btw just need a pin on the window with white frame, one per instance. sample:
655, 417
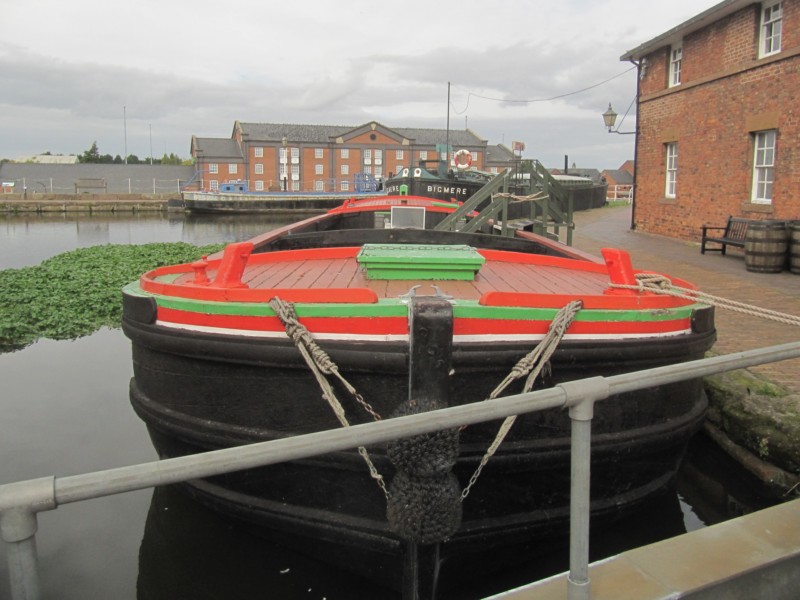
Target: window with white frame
319, 185
398, 155
282, 154
344, 186
319, 169
259, 185
282, 171
233, 168
763, 166
295, 172
214, 185
398, 168
367, 156
378, 172
295, 155
295, 186
771, 28
345, 153
423, 155
259, 168
378, 157
672, 169
675, 58
258, 152
213, 168
345, 170
318, 153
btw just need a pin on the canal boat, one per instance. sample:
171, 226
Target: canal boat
310, 327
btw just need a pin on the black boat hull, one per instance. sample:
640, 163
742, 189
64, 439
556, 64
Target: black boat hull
198, 391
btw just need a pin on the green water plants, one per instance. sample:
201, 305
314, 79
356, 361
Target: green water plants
76, 293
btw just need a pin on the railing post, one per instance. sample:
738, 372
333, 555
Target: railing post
581, 396
19, 503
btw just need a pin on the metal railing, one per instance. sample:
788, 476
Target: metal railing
21, 501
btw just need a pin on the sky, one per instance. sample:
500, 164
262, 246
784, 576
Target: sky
144, 77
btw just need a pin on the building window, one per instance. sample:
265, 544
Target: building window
345, 170
282, 154
295, 186
763, 166
378, 157
423, 155
259, 185
378, 172
367, 156
398, 155
398, 169
214, 184
259, 169
675, 57
233, 168
344, 186
345, 153
319, 169
319, 186
258, 152
771, 28
672, 169
282, 171
213, 168
295, 156
295, 172
318, 153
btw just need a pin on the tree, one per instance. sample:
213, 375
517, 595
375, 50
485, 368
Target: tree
92, 155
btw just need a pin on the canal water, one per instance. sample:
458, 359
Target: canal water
66, 412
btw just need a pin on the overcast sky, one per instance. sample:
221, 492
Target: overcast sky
80, 71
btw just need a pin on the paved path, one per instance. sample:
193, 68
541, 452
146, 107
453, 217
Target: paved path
723, 276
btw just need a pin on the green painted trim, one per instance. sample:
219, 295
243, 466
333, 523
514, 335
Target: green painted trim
467, 309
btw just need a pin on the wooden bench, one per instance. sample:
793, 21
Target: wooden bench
733, 234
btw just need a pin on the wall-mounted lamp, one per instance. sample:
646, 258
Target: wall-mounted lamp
609, 118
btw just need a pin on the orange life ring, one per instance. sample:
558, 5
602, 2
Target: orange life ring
462, 165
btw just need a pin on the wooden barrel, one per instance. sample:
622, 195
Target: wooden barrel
794, 247
765, 246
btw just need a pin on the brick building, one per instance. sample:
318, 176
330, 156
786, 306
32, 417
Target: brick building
719, 119
320, 158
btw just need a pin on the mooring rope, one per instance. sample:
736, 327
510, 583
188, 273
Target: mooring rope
531, 365
321, 365
659, 284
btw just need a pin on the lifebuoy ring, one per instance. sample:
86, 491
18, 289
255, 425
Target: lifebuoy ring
462, 165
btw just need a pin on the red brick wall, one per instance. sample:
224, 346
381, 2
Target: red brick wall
725, 95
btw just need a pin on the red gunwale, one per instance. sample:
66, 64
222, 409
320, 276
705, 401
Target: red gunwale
399, 325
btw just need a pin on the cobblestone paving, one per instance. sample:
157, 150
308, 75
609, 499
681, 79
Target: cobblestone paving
713, 273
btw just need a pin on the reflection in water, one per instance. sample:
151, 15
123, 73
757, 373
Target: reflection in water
189, 552
30, 238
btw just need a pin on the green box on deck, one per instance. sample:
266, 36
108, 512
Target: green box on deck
420, 261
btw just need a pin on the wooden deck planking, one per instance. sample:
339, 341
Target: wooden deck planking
493, 276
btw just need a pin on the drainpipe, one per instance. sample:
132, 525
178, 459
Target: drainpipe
640, 71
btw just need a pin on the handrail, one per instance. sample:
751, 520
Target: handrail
21, 501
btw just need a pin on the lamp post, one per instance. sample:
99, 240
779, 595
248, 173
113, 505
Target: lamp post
610, 118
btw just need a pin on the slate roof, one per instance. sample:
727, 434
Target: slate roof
621, 177
323, 134
499, 154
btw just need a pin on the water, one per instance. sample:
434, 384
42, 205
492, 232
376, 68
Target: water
66, 412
